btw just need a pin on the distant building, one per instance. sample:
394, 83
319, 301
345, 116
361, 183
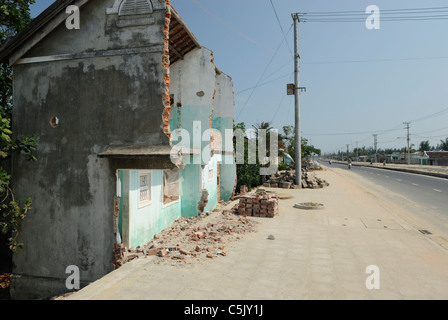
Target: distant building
435, 158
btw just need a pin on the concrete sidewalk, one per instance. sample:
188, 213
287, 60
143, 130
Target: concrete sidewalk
316, 254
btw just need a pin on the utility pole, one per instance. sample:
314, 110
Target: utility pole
409, 141
375, 144
348, 145
298, 142
357, 151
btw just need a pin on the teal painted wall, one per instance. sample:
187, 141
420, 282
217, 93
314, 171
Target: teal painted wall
183, 118
191, 188
211, 184
228, 166
152, 218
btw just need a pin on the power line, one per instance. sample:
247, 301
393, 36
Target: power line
433, 13
281, 101
232, 28
264, 83
352, 133
391, 19
445, 128
376, 60
382, 11
281, 28
262, 75
437, 114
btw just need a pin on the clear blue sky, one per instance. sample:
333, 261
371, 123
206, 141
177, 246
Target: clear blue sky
359, 82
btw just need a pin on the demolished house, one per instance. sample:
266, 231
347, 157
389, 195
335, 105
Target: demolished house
106, 101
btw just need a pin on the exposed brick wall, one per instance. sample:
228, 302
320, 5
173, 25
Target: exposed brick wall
166, 72
218, 174
117, 253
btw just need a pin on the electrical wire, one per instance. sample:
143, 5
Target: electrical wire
281, 101
281, 28
413, 14
262, 75
264, 83
374, 60
233, 29
437, 114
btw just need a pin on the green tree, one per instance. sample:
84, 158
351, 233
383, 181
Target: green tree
287, 139
444, 144
424, 146
14, 16
247, 174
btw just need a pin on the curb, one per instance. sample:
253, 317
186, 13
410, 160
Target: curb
426, 173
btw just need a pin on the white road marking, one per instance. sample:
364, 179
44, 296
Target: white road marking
414, 184
399, 180
437, 190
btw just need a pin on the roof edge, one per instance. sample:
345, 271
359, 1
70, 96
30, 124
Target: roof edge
15, 42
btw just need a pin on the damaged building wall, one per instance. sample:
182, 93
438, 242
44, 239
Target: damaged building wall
109, 93
145, 219
193, 83
222, 120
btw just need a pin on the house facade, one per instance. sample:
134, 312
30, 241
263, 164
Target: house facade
106, 102
435, 158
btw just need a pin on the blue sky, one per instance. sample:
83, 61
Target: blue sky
359, 82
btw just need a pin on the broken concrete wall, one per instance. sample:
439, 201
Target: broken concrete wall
222, 120
106, 89
142, 222
193, 86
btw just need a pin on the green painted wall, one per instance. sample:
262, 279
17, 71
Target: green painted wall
228, 166
184, 117
150, 219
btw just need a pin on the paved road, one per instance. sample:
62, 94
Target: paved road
424, 195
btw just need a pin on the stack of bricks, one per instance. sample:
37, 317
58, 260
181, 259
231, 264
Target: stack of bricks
260, 204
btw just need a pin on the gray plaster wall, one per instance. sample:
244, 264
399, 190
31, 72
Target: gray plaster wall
100, 101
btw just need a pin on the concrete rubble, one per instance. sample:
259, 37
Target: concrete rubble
192, 239
285, 180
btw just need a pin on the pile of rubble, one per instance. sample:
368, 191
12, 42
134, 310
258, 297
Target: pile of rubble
286, 180
187, 240
259, 204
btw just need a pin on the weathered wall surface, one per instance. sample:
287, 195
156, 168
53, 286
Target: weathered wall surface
109, 99
193, 87
222, 120
148, 220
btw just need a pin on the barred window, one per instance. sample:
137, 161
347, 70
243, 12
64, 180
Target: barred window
144, 189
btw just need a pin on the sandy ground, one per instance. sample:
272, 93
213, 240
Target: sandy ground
315, 254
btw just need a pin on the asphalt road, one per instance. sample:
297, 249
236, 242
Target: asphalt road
424, 196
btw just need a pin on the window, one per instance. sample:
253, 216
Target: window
210, 172
144, 189
172, 186
201, 178
131, 7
